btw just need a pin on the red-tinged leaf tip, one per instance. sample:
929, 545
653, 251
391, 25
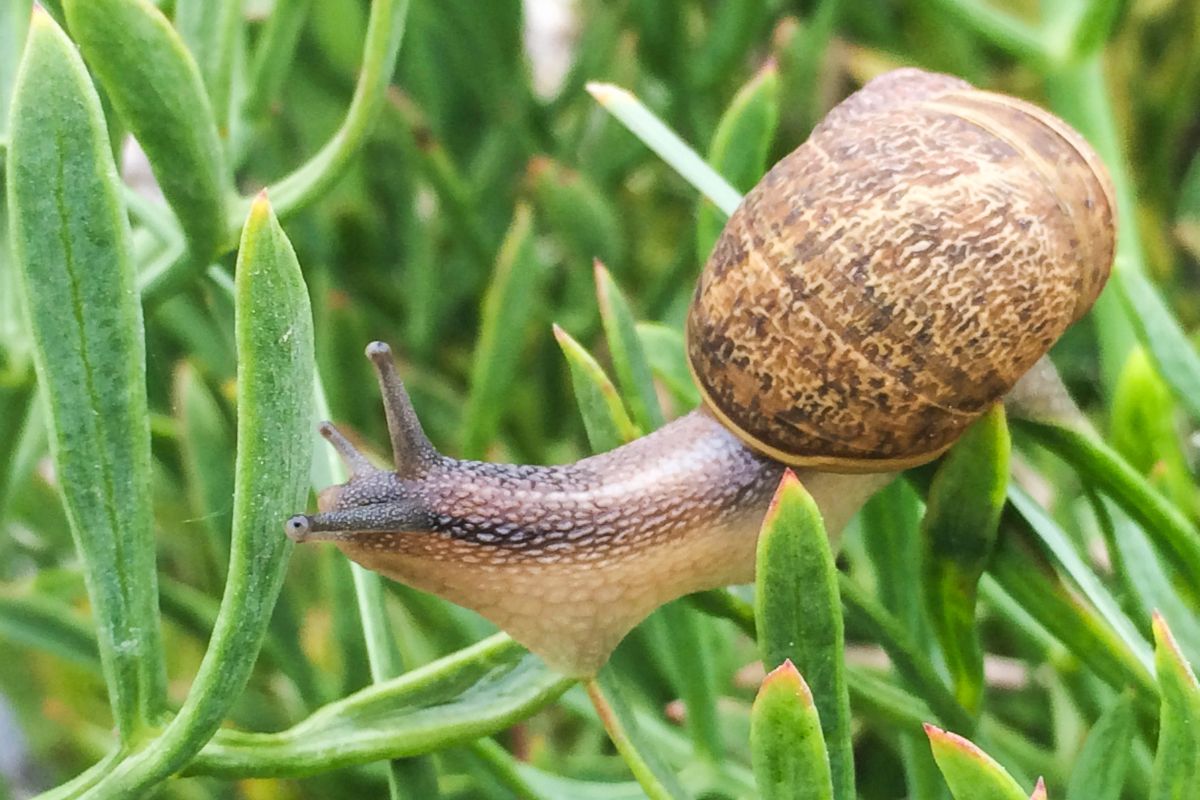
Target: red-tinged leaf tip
260, 207
951, 740
788, 481
603, 280
559, 334
1039, 791
40, 16
1165, 640
786, 675
769, 67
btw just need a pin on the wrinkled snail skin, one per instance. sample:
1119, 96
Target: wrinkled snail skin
884, 285
567, 559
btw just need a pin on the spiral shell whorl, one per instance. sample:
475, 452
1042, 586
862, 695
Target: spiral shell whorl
893, 277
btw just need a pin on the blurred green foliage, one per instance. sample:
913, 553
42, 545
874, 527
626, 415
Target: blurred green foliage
446, 191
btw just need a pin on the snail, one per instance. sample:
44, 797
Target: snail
884, 285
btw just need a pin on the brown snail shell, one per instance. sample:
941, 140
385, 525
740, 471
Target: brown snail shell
891, 279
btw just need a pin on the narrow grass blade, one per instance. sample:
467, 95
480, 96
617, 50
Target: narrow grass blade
576, 210
970, 772
911, 663
739, 148
1173, 354
1000, 28
1146, 583
1173, 535
654, 133
43, 624
508, 309
71, 243
604, 416
1077, 626
1062, 551
275, 423
625, 349
474, 692
1177, 761
962, 516
204, 443
385, 31
786, 743
664, 350
799, 615
1143, 429
1099, 771
644, 762
273, 55
155, 86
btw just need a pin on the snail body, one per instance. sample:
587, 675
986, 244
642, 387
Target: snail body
883, 286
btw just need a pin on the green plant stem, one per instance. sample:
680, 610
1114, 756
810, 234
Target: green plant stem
385, 30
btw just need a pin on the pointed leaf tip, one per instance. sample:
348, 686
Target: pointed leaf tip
1039, 791
787, 676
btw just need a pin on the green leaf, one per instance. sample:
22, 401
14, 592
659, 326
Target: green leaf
576, 210
1099, 771
155, 86
970, 772
50, 626
1172, 353
1147, 585
273, 55
914, 665
962, 516
1062, 551
1142, 423
14, 24
275, 422
1172, 534
665, 352
71, 243
625, 349
740, 147
474, 692
211, 31
1177, 761
654, 133
508, 308
1095, 25
204, 443
604, 416
643, 760
310, 181
1088, 637
799, 615
788, 749
1000, 28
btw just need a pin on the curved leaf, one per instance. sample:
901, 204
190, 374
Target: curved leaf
156, 87
475, 692
275, 423
1177, 762
962, 516
788, 749
71, 242
970, 772
799, 615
